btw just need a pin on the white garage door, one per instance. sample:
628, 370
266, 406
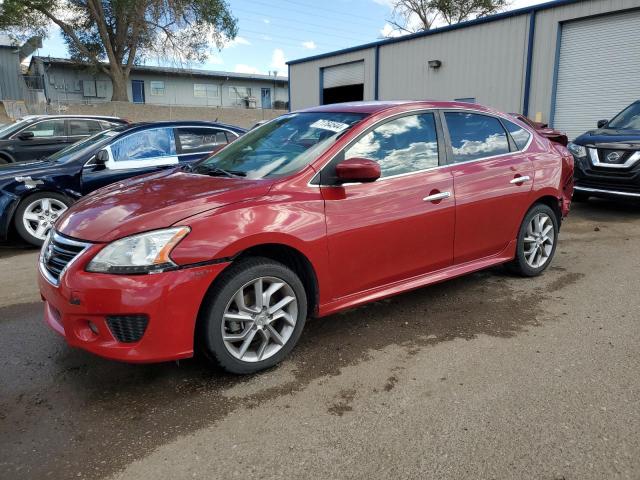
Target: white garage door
599, 70
341, 75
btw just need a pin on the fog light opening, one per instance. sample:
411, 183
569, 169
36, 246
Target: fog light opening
94, 328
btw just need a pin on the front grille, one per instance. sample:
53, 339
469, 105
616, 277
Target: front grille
57, 252
128, 328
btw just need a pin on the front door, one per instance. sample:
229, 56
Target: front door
400, 226
490, 199
40, 139
265, 96
137, 91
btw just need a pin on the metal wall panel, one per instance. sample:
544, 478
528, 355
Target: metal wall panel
547, 24
11, 83
341, 75
486, 62
305, 90
598, 72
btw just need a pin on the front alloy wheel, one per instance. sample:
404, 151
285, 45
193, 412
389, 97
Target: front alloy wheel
37, 214
253, 316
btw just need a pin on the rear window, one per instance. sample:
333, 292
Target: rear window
475, 136
520, 135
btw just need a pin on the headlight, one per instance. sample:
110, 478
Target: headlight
144, 253
578, 151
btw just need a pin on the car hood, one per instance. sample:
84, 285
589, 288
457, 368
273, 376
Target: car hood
22, 169
609, 135
151, 202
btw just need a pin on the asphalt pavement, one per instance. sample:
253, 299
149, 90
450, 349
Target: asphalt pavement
487, 376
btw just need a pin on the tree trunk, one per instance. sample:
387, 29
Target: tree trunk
120, 81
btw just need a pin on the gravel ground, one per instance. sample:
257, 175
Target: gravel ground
487, 376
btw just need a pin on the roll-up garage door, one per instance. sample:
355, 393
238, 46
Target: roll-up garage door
598, 72
341, 75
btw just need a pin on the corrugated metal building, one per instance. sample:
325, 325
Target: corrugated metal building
11, 83
65, 81
567, 63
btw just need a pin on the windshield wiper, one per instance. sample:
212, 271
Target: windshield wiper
217, 171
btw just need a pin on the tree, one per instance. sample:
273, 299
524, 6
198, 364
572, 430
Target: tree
122, 33
410, 16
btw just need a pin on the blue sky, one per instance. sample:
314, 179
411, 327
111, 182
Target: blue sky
272, 32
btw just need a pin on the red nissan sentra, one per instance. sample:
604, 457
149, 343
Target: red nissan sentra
314, 212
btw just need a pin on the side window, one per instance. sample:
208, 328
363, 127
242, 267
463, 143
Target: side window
520, 135
47, 128
404, 145
83, 127
200, 139
143, 145
475, 136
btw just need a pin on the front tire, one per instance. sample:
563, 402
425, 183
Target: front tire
36, 215
537, 241
253, 317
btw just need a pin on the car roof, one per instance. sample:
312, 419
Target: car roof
98, 117
184, 123
400, 105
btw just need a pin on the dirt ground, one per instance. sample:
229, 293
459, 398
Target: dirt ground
487, 376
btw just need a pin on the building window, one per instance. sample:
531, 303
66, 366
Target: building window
205, 90
157, 88
238, 94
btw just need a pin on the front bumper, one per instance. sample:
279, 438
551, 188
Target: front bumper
607, 193
78, 308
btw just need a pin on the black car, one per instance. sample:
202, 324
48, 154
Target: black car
34, 194
37, 136
608, 159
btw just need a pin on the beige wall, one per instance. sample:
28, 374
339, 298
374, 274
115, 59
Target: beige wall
241, 117
305, 91
476, 62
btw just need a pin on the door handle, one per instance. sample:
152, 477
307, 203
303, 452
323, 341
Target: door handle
519, 180
437, 196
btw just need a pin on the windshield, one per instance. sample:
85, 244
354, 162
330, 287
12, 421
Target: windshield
627, 119
81, 147
12, 127
281, 147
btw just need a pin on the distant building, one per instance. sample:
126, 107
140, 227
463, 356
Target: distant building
66, 81
568, 63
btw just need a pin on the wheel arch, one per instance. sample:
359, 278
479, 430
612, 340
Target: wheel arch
5, 156
552, 202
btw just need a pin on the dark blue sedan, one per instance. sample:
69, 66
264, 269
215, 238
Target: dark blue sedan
34, 194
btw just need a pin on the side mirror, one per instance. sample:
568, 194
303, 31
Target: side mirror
26, 135
602, 123
358, 170
101, 159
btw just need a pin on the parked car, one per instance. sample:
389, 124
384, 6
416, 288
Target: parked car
543, 129
314, 212
34, 194
608, 158
37, 136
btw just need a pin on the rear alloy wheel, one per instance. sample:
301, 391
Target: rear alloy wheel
255, 316
537, 241
36, 215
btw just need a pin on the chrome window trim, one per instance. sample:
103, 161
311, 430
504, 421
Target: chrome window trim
610, 192
64, 240
432, 109
595, 161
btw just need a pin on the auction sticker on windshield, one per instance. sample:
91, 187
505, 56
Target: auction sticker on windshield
329, 125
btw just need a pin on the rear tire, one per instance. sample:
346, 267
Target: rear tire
536, 243
244, 332
36, 215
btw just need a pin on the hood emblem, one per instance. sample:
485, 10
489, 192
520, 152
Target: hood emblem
613, 157
29, 182
48, 253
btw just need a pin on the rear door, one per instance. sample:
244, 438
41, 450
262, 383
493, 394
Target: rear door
194, 143
492, 177
136, 153
49, 136
400, 226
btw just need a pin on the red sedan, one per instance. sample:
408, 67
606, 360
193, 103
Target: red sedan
314, 212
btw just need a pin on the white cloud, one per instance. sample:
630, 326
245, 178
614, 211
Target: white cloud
214, 59
266, 38
278, 61
236, 41
242, 68
388, 31
310, 45
266, 20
